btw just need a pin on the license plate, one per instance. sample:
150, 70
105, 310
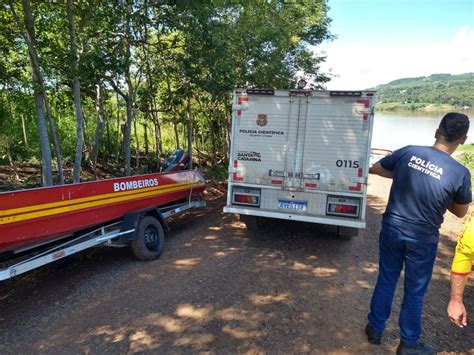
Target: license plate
292, 205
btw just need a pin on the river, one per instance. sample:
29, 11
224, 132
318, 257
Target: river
394, 130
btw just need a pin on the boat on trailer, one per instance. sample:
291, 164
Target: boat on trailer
60, 220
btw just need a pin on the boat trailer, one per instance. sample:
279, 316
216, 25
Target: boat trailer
116, 234
40, 226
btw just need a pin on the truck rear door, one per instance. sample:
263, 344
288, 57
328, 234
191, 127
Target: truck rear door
303, 140
260, 138
336, 142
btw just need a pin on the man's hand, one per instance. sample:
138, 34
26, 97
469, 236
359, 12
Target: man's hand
457, 313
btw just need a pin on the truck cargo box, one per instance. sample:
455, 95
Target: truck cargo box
301, 155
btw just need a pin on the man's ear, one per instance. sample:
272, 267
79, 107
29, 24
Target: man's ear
463, 140
437, 133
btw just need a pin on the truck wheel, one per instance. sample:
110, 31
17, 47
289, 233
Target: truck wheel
252, 223
346, 233
149, 239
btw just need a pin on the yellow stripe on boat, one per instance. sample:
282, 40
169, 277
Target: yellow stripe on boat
19, 214
84, 199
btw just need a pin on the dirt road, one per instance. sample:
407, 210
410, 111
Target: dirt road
218, 288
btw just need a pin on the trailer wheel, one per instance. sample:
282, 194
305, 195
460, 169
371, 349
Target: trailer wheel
346, 233
149, 239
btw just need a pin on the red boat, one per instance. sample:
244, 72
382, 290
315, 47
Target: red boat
34, 217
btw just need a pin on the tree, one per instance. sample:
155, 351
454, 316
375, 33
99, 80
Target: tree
77, 92
100, 125
171, 66
38, 87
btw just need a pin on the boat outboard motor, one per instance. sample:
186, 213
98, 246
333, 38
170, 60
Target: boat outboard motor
178, 160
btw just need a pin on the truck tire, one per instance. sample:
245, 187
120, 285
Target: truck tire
149, 239
346, 233
253, 223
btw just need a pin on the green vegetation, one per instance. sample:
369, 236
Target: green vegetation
466, 148
120, 83
434, 92
393, 106
467, 159
465, 155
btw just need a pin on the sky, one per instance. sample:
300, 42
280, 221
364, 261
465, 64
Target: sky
382, 40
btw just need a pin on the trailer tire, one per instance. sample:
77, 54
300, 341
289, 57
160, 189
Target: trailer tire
149, 239
346, 233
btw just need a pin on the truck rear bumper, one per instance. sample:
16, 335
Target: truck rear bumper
296, 217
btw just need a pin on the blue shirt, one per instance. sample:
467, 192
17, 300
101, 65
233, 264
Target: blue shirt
426, 181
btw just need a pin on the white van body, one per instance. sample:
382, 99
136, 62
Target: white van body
301, 155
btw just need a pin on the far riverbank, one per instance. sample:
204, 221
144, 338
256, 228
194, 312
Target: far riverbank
422, 107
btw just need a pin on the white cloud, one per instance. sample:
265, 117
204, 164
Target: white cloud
462, 45
365, 65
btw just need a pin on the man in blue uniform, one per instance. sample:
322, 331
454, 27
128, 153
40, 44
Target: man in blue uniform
426, 182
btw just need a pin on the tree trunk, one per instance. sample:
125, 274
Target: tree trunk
25, 137
128, 97
46, 160
176, 134
154, 113
108, 149
6, 146
117, 146
54, 135
175, 127
38, 89
127, 135
77, 93
190, 133
156, 120
157, 138
86, 145
212, 131
99, 130
213, 143
145, 128
137, 146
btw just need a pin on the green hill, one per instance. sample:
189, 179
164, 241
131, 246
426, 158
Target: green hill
437, 91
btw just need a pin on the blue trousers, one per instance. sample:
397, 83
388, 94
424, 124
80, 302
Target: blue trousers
398, 250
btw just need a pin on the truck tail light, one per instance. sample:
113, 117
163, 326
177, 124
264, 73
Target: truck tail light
246, 199
343, 206
246, 196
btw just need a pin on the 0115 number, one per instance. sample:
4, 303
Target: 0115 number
347, 163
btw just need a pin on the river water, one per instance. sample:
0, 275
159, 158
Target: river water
393, 130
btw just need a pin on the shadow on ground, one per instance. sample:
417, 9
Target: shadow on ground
292, 287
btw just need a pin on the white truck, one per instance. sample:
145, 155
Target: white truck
301, 155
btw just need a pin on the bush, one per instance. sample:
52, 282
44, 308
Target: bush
467, 159
218, 172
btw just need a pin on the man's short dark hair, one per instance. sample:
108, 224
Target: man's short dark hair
454, 126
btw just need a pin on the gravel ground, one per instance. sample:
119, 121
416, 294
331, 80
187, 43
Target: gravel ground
218, 288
